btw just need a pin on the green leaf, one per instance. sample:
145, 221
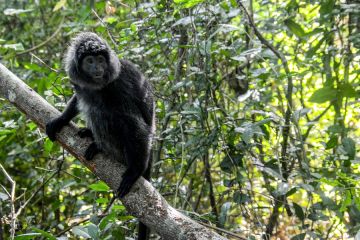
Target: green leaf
241, 198
291, 191
230, 162
299, 211
349, 146
93, 231
347, 90
80, 231
224, 213
99, 187
295, 28
102, 200
3, 196
300, 236
59, 5
314, 32
133, 28
45, 234
48, 145
107, 220
273, 173
282, 189
332, 142
12, 11
313, 50
111, 20
346, 202
335, 129
15, 46
187, 3
323, 95
326, 7
27, 236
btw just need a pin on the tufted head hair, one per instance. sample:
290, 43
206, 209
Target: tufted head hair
82, 45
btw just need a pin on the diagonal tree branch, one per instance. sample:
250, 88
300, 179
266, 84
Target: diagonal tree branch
143, 201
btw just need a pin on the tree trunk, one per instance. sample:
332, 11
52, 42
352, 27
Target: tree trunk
143, 201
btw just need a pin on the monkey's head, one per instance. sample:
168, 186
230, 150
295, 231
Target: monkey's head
90, 62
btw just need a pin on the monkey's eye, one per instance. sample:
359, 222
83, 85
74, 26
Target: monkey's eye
89, 60
101, 59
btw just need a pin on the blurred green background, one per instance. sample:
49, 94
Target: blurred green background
226, 151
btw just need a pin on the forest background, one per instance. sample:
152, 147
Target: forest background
257, 107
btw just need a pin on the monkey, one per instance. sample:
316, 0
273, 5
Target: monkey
117, 103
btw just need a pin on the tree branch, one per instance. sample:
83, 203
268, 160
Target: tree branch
143, 201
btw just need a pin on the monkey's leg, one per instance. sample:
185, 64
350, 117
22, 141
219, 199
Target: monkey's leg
55, 125
137, 152
85, 132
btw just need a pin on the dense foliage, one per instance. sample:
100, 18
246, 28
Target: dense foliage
279, 159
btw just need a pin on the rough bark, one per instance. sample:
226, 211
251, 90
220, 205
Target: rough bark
143, 201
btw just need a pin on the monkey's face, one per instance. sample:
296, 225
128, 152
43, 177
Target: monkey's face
95, 67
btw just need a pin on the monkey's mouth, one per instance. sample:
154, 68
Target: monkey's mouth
98, 76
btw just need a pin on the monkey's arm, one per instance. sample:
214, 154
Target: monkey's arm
55, 125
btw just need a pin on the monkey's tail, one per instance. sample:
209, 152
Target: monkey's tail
144, 231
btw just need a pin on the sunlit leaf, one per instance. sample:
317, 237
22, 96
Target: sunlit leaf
188, 3
12, 11
15, 46
59, 5
295, 28
99, 187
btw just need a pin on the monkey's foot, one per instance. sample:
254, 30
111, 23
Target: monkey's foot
91, 151
85, 132
127, 182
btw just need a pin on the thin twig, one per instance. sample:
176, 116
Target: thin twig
107, 28
12, 202
46, 41
46, 65
34, 194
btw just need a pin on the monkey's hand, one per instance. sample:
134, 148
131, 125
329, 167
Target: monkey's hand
91, 151
85, 132
53, 127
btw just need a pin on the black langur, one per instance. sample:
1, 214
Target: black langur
118, 106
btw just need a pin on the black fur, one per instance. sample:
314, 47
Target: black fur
119, 111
